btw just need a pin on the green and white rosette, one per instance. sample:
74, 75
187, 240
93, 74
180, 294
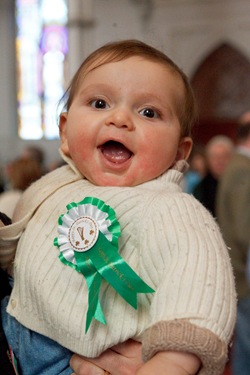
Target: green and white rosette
88, 241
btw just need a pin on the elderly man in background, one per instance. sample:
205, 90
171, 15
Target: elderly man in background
218, 153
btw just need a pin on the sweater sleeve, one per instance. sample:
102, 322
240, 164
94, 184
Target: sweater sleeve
194, 307
27, 205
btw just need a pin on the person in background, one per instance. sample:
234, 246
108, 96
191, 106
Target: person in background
113, 223
218, 152
20, 173
34, 152
197, 169
233, 212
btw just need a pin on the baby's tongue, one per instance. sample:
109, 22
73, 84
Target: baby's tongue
115, 152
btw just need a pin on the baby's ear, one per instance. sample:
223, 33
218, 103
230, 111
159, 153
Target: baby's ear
184, 148
63, 133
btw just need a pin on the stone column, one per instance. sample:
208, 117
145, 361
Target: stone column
81, 27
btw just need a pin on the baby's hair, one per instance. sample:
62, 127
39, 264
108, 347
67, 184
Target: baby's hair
121, 50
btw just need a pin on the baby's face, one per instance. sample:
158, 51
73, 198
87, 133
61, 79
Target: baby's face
122, 127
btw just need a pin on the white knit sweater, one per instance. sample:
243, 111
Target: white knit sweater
167, 237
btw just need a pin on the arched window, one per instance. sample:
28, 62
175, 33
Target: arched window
41, 50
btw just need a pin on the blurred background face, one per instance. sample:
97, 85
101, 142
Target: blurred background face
218, 156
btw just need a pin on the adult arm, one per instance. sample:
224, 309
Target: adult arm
174, 363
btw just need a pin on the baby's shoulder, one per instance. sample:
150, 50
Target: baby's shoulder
174, 208
41, 189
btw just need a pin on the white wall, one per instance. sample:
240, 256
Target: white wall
10, 145
187, 30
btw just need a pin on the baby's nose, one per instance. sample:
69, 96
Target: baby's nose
121, 118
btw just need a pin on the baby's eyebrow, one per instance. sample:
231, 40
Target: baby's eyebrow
148, 96
93, 87
151, 98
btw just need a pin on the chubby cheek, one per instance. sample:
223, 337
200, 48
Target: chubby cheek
159, 158
146, 170
77, 144
78, 154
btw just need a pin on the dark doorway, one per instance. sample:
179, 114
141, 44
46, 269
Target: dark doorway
222, 87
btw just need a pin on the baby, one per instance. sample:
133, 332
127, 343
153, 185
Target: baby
108, 247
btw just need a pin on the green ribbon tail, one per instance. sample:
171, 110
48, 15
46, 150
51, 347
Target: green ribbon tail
93, 279
113, 268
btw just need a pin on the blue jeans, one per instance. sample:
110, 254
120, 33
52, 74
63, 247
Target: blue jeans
241, 347
35, 353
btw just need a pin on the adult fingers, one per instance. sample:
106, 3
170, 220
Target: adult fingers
129, 349
122, 359
82, 366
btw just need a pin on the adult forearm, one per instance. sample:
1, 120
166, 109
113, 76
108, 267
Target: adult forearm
174, 363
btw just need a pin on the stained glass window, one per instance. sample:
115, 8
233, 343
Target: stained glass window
41, 49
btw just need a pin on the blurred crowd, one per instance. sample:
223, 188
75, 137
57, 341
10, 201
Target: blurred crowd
18, 174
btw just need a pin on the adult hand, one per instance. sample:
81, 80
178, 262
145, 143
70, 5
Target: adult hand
121, 359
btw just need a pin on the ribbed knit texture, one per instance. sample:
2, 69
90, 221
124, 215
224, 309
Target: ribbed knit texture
168, 238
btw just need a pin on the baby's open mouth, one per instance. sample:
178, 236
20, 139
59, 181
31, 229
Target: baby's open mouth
115, 152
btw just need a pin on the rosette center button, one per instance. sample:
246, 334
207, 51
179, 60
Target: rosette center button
83, 233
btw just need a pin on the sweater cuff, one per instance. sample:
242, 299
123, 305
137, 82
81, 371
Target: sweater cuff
182, 336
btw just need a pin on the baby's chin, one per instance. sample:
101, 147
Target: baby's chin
109, 179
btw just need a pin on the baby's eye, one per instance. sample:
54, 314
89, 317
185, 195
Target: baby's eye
149, 112
99, 104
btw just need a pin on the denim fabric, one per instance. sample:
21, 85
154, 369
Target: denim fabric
35, 353
241, 346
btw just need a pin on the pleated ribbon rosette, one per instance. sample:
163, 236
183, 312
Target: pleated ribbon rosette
88, 241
